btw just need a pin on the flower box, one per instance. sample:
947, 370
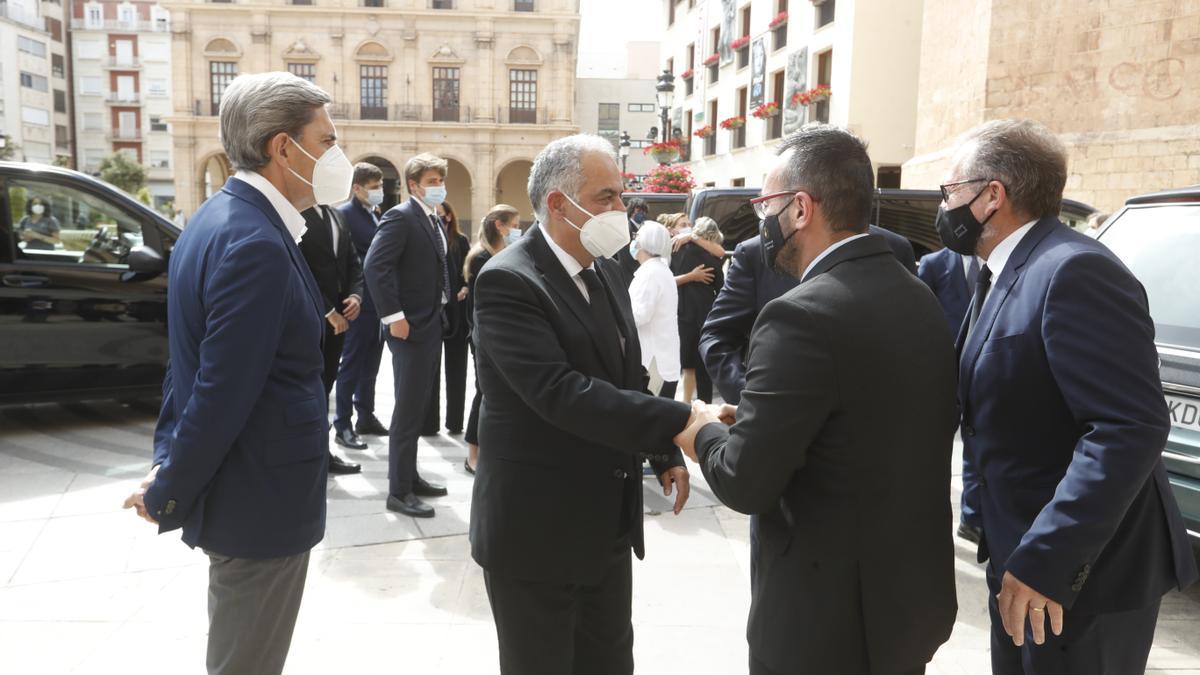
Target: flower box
740, 43
779, 20
712, 59
687, 74
769, 109
666, 178
733, 122
705, 131
819, 93
664, 152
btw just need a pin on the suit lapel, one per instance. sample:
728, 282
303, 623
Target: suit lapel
631, 363
246, 192
564, 287
427, 225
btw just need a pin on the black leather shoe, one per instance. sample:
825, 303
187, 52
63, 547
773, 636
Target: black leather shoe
409, 505
467, 467
337, 465
348, 439
370, 426
423, 488
969, 533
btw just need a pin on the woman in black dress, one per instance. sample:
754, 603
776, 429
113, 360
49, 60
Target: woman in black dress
454, 341
695, 299
498, 228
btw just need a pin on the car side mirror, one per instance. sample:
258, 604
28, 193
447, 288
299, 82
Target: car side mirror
146, 260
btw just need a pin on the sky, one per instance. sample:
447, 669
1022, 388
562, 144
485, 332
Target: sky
606, 26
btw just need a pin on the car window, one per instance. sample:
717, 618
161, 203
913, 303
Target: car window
734, 215
1159, 243
71, 226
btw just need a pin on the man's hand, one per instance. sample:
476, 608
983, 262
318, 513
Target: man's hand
1015, 600
399, 329
353, 306
676, 476
339, 322
679, 241
702, 414
727, 413
462, 294
136, 500
701, 274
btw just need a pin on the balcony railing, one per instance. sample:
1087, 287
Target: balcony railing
522, 5
521, 115
126, 135
401, 113
115, 98
122, 26
123, 62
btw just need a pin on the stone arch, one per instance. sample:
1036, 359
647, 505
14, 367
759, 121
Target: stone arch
512, 180
214, 170
372, 50
460, 191
523, 55
222, 47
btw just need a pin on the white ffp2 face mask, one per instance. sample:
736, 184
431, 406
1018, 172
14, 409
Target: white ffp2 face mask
332, 175
604, 234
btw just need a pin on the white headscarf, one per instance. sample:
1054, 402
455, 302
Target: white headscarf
654, 239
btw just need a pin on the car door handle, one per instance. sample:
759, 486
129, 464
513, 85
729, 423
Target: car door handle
1167, 454
20, 280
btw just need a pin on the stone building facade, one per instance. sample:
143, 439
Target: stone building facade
484, 83
1119, 81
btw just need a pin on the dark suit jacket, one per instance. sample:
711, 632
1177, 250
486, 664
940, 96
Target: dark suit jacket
749, 286
338, 273
477, 264
242, 436
404, 270
696, 299
1065, 421
456, 312
362, 225
942, 272
565, 434
842, 445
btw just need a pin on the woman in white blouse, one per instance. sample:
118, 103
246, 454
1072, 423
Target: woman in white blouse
655, 302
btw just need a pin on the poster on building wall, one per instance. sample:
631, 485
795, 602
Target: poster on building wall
728, 26
794, 114
758, 73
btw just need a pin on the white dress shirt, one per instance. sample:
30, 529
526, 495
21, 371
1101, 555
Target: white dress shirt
997, 261
655, 299
292, 219
833, 247
570, 264
430, 217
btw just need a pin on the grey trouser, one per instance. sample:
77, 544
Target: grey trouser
252, 607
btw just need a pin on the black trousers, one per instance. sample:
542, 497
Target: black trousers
704, 385
759, 668
1116, 643
414, 370
454, 351
331, 349
566, 629
361, 356
472, 433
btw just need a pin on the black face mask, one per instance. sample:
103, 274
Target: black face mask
773, 241
959, 229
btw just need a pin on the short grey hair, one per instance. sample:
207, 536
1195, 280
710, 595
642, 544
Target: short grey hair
706, 228
559, 166
1023, 155
254, 108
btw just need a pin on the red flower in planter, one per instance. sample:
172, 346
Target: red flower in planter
733, 122
769, 109
712, 59
705, 131
740, 43
687, 74
780, 19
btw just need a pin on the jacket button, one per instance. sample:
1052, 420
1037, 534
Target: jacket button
968, 431
619, 474
170, 506
1077, 587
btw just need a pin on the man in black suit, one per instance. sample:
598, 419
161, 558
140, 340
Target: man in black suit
331, 258
409, 279
843, 437
566, 421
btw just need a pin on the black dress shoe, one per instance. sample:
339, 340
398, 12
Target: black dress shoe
370, 426
409, 505
348, 439
340, 466
467, 467
423, 488
971, 534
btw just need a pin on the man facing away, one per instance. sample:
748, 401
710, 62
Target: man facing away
843, 436
241, 446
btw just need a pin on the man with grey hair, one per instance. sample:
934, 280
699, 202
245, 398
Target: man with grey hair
566, 421
241, 446
1063, 419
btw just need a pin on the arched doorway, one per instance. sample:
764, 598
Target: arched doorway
213, 174
393, 188
460, 192
512, 188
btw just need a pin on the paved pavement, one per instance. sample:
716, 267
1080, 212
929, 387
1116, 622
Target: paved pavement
88, 588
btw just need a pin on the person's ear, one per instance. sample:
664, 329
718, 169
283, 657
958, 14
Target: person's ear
278, 146
557, 203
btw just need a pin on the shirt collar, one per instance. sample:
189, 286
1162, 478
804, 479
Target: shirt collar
568, 261
292, 219
1000, 255
823, 254
424, 207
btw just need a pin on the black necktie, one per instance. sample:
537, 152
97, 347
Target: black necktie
441, 247
606, 321
982, 284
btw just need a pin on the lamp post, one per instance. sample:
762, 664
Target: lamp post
624, 151
666, 96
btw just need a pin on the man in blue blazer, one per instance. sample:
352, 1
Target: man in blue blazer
241, 447
1063, 417
951, 276
364, 341
408, 275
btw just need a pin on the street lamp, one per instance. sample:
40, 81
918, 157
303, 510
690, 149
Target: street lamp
624, 151
666, 96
